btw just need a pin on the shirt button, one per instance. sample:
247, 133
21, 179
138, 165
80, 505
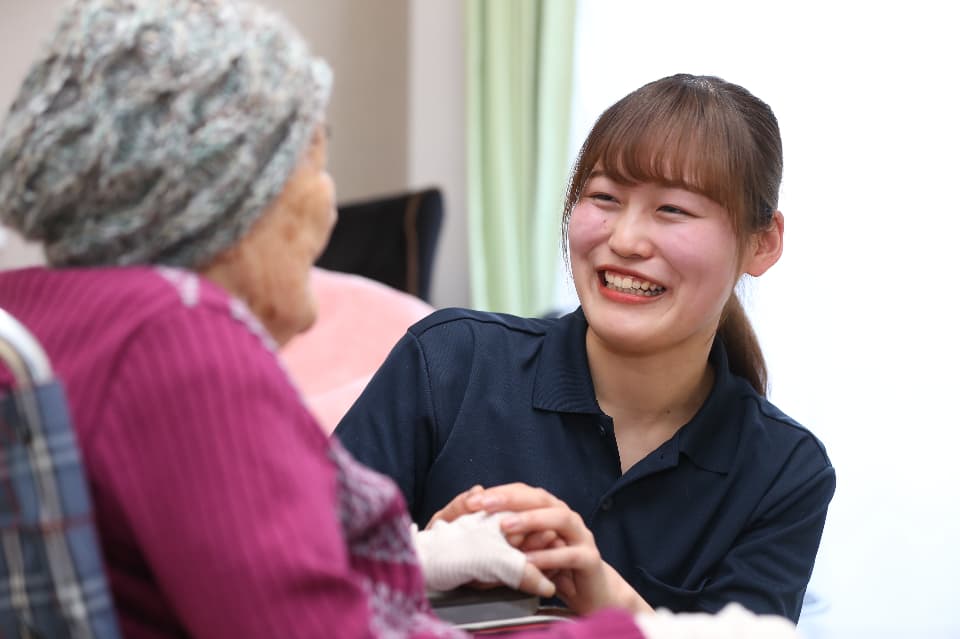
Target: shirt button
601, 430
606, 504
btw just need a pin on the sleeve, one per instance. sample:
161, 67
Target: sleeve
769, 566
225, 484
392, 427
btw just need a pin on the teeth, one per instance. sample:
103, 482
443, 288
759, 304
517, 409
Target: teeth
627, 284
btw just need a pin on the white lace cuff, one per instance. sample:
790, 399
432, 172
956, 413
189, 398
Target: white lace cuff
733, 622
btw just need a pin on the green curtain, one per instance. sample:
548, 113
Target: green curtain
519, 77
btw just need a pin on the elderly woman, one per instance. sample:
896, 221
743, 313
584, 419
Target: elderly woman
170, 156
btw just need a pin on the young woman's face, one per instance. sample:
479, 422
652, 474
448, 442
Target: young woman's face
653, 265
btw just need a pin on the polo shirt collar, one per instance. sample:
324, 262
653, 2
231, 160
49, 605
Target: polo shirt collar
711, 438
563, 384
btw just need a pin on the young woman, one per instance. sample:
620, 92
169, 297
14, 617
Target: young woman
644, 411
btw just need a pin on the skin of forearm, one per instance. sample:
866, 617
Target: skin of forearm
626, 597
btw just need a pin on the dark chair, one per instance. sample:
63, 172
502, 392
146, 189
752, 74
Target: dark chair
390, 239
52, 582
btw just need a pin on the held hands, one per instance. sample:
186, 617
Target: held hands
555, 540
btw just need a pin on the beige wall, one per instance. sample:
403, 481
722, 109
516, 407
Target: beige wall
22, 30
397, 112
436, 152
365, 41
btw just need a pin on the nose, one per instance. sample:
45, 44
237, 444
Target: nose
632, 235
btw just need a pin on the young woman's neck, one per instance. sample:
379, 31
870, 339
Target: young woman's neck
649, 396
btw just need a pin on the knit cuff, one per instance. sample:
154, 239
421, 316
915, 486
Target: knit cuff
471, 548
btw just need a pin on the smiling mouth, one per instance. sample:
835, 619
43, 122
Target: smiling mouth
630, 285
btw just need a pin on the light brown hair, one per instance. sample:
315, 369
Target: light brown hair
706, 135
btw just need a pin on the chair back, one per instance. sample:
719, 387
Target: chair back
52, 582
391, 239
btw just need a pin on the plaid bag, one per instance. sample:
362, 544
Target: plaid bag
52, 582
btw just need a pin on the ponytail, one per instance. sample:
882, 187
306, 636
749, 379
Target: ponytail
743, 348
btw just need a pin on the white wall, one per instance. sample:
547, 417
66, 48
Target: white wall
397, 109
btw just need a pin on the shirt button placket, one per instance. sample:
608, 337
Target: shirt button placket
603, 425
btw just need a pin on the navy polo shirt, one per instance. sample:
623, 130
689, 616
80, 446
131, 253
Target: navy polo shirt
731, 508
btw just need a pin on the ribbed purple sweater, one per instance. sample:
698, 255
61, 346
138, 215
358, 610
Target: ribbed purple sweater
223, 509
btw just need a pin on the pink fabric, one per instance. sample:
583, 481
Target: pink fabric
223, 510
359, 320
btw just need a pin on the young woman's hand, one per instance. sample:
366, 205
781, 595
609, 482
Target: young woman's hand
556, 541
457, 507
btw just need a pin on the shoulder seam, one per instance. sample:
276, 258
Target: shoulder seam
786, 420
449, 315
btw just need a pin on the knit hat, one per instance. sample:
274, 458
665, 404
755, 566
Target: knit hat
157, 131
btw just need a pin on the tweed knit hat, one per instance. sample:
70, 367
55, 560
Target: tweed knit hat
157, 131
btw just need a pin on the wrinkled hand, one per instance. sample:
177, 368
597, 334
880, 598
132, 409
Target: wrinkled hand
472, 548
555, 540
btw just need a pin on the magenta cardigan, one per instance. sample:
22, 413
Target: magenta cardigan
223, 510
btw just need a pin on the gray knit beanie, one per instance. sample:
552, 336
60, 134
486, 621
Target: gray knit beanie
157, 131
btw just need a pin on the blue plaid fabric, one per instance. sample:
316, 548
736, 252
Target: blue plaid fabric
52, 582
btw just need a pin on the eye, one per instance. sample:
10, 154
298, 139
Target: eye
602, 197
674, 210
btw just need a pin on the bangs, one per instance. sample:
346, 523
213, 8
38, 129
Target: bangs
686, 139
